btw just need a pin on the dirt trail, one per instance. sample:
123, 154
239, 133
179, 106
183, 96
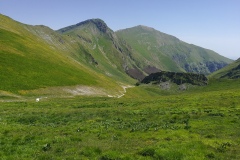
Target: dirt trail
124, 90
64, 92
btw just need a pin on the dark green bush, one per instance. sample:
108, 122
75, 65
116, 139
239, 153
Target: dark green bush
147, 152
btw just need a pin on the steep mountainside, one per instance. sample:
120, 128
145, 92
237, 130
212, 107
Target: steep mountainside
100, 46
33, 57
151, 47
232, 71
91, 54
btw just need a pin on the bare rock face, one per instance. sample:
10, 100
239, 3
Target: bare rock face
214, 66
151, 69
165, 85
135, 73
100, 24
182, 87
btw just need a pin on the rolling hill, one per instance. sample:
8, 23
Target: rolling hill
140, 51
89, 53
100, 46
34, 57
155, 121
168, 53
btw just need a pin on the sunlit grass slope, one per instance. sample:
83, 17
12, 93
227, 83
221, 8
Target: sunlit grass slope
27, 62
100, 47
169, 53
232, 71
197, 125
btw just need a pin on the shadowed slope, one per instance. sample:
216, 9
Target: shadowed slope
232, 71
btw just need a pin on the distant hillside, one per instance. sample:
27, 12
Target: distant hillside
139, 51
232, 71
89, 53
99, 45
166, 52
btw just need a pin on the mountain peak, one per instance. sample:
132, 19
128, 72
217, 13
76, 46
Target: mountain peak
100, 24
145, 27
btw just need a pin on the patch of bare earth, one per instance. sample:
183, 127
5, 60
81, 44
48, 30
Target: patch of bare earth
68, 91
63, 92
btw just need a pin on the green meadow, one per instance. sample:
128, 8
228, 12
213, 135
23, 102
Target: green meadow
146, 123
202, 122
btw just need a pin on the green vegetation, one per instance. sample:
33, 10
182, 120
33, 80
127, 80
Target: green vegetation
101, 43
33, 57
188, 125
88, 53
231, 71
55, 67
178, 78
169, 53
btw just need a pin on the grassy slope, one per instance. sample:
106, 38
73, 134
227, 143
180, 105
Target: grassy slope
192, 125
143, 41
167, 52
100, 46
225, 70
29, 62
202, 123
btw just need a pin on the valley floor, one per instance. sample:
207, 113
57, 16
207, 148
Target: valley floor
195, 125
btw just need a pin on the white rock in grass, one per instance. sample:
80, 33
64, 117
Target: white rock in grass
37, 99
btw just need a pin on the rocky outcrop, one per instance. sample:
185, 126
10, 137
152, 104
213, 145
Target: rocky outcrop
100, 24
178, 78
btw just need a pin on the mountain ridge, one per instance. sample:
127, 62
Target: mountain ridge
180, 53
31, 59
101, 25
87, 53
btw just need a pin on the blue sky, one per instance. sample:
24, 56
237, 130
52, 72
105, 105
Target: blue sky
212, 24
